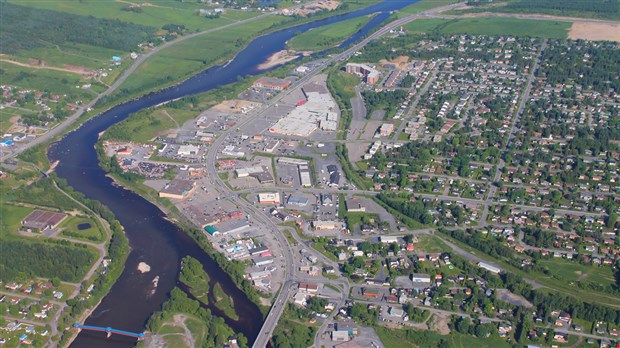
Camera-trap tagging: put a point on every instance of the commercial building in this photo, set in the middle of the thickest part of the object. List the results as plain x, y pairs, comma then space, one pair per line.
188, 150
260, 173
304, 175
272, 83
309, 287
43, 220
388, 239
319, 109
340, 336
269, 198
396, 312
178, 189
354, 205
232, 225
300, 201
368, 74
262, 261
325, 225
348, 327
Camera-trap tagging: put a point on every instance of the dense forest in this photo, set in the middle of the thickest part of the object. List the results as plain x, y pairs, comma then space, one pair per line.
21, 24
24, 259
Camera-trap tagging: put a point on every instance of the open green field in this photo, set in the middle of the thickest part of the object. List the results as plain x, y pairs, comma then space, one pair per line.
11, 217
70, 229
430, 244
58, 82
424, 5
148, 124
69, 54
397, 338
492, 26
328, 36
573, 272
193, 55
157, 15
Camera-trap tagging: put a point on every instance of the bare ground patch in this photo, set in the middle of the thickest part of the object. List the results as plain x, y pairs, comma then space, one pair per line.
235, 106
595, 31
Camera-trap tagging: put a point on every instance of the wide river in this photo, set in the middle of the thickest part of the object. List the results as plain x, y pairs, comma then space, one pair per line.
153, 239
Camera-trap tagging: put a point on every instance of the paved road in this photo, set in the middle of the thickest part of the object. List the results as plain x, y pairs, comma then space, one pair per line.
60, 128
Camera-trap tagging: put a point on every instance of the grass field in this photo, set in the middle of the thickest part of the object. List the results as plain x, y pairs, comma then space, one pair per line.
57, 82
573, 271
70, 229
193, 55
328, 36
11, 217
398, 338
424, 5
147, 124
492, 26
430, 244
163, 12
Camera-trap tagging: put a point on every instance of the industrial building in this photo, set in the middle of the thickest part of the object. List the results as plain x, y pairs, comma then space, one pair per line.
43, 220
297, 200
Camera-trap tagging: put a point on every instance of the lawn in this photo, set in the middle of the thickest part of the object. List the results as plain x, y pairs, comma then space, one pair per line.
328, 36
71, 230
430, 244
493, 26
414, 338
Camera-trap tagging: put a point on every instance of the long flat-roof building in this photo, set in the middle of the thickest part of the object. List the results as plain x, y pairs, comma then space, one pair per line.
178, 189
489, 267
43, 220
272, 83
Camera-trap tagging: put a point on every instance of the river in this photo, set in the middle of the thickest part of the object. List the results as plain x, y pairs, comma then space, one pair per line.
153, 239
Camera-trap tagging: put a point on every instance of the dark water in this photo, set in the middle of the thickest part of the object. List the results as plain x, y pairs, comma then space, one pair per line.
82, 227
155, 240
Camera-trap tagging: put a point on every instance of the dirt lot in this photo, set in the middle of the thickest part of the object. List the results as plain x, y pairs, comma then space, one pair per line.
400, 62
235, 106
595, 31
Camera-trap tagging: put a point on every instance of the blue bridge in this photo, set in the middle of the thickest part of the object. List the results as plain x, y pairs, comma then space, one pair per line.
109, 331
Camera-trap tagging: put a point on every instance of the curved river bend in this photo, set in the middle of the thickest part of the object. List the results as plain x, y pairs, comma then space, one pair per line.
153, 239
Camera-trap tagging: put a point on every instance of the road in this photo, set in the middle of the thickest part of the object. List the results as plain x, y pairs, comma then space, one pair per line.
280, 300
61, 127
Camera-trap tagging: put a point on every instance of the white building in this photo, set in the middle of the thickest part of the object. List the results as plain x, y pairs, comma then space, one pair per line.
488, 267
269, 198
